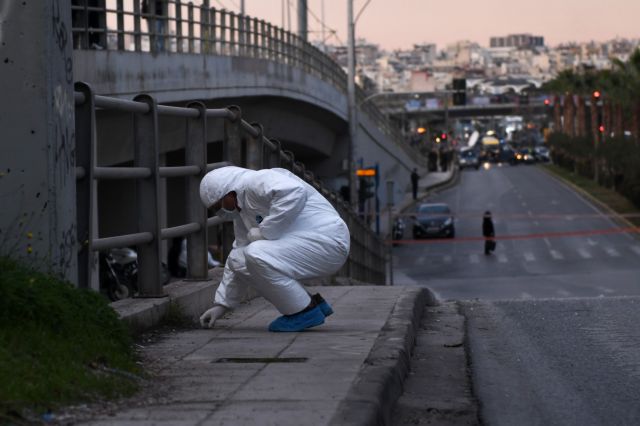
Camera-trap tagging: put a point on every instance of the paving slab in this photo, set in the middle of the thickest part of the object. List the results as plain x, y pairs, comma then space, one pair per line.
343, 372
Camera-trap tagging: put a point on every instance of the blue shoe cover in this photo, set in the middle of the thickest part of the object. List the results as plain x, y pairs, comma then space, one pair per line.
326, 308
299, 321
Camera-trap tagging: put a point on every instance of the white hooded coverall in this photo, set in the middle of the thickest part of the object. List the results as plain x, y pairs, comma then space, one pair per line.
304, 237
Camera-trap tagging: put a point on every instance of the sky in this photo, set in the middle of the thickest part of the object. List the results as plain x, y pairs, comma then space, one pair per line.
398, 24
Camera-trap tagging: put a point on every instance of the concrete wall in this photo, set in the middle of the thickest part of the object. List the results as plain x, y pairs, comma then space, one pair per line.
37, 139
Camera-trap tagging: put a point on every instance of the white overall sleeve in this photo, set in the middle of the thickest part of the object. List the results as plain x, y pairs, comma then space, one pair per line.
285, 199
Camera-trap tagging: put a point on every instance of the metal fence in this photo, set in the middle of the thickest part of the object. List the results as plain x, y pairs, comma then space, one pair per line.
199, 29
243, 144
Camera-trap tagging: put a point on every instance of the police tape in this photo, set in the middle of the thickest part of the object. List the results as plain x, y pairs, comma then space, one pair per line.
434, 240
527, 216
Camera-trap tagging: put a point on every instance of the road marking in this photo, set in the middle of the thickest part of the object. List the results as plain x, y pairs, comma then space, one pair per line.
606, 290
529, 257
556, 254
524, 204
473, 258
636, 249
502, 258
447, 259
591, 242
536, 223
612, 252
554, 202
585, 253
524, 295
547, 242
568, 217
563, 293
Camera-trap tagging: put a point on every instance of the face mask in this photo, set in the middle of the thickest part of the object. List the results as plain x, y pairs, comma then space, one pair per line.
228, 215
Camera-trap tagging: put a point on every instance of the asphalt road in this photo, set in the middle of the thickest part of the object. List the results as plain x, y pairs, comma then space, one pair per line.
556, 362
552, 333
530, 208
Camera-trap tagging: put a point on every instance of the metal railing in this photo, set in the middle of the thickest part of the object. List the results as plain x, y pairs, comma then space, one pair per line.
199, 29
243, 144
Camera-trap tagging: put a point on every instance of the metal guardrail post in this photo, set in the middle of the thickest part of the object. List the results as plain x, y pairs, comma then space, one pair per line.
232, 152
179, 37
146, 155
196, 154
274, 155
232, 34
205, 28
190, 26
137, 37
120, 24
255, 150
85, 122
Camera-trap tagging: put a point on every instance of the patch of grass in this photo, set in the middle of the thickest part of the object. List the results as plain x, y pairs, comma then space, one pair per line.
58, 344
611, 198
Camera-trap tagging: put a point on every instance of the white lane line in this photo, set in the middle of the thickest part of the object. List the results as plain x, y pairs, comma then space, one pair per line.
563, 293
636, 249
556, 254
547, 242
447, 259
502, 258
473, 258
529, 257
584, 253
606, 290
591, 242
524, 204
612, 252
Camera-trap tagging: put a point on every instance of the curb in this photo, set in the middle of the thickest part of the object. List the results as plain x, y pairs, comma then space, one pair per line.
615, 215
191, 297
379, 384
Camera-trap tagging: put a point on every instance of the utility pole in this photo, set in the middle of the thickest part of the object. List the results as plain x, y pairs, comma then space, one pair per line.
351, 100
302, 19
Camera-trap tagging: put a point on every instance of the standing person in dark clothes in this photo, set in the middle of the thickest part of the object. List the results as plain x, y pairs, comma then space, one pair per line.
488, 232
415, 177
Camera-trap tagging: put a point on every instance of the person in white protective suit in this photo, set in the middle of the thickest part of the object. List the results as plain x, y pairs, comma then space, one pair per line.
285, 231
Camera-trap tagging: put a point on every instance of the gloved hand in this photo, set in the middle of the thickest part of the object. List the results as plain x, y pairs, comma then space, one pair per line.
254, 234
209, 317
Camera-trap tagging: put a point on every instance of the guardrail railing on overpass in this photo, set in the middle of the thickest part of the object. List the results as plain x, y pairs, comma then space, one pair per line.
244, 144
183, 27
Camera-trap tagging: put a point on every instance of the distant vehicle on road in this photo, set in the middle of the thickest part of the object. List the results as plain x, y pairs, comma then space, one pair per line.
541, 153
468, 158
525, 156
433, 220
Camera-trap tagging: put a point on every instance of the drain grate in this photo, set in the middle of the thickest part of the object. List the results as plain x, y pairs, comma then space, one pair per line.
259, 360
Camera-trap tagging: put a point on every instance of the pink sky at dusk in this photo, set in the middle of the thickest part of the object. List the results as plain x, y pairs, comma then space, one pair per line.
402, 23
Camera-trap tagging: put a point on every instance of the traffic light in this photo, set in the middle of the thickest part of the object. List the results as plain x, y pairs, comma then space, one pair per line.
459, 91
596, 94
443, 137
547, 102
365, 189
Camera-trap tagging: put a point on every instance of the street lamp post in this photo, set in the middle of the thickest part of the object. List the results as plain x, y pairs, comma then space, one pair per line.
351, 100
390, 185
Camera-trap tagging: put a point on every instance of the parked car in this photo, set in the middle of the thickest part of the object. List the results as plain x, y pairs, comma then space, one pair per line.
541, 153
468, 158
433, 220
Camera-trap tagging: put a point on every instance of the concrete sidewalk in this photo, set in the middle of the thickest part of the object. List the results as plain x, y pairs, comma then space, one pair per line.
348, 371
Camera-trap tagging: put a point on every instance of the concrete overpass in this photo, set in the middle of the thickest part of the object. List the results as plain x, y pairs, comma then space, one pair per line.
297, 92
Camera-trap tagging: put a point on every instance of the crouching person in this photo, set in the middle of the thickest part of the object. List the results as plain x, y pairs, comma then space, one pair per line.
285, 231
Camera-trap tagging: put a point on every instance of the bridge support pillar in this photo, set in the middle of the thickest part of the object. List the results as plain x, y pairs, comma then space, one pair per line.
37, 190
